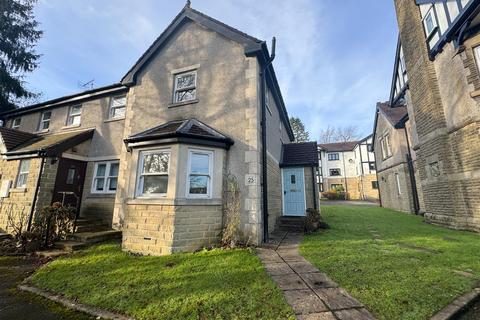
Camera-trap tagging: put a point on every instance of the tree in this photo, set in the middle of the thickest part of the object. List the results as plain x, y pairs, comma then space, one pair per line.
339, 134
19, 35
299, 130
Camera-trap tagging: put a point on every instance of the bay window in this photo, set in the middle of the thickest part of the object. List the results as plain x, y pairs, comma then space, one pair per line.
152, 178
105, 177
199, 176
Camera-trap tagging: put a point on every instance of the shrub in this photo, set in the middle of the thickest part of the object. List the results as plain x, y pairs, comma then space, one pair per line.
335, 194
314, 221
54, 222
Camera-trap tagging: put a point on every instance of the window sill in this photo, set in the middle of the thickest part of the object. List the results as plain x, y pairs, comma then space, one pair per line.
18, 190
42, 131
177, 202
114, 119
72, 126
184, 103
475, 94
101, 195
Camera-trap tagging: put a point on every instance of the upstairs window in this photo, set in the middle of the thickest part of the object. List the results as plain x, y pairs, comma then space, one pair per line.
335, 172
23, 173
45, 121
371, 166
375, 185
386, 148
199, 174
117, 107
105, 177
74, 115
429, 23
152, 177
333, 156
185, 87
16, 123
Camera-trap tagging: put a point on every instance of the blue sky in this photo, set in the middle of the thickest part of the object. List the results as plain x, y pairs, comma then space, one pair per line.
334, 58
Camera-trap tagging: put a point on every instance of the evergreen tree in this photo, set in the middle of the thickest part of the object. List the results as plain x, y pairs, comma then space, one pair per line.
299, 130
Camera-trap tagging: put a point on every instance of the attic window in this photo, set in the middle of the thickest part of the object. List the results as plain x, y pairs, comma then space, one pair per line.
16, 123
185, 87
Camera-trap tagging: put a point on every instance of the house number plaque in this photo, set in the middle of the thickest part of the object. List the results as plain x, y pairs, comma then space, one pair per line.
250, 180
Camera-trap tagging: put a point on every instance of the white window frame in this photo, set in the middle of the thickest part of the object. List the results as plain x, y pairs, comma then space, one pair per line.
140, 174
73, 115
42, 121
112, 108
430, 13
22, 173
476, 53
175, 90
210, 154
397, 180
106, 177
335, 156
16, 126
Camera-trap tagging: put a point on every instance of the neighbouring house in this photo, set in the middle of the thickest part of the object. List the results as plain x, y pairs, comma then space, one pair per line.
149, 155
436, 87
348, 166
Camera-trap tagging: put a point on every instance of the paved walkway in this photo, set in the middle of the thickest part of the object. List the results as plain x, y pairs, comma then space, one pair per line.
312, 295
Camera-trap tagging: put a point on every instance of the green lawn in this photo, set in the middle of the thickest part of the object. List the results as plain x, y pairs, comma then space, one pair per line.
408, 272
217, 284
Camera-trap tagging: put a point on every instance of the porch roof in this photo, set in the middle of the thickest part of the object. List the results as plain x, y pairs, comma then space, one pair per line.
186, 131
49, 145
303, 154
12, 138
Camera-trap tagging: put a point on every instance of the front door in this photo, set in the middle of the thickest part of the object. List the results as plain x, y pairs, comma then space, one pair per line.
293, 192
69, 182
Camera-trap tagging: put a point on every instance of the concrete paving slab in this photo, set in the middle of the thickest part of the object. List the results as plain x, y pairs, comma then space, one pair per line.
302, 267
305, 302
268, 255
277, 268
318, 280
337, 298
289, 282
317, 316
354, 314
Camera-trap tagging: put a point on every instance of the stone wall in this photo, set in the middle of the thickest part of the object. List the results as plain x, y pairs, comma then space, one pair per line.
311, 189
367, 192
389, 194
274, 178
166, 229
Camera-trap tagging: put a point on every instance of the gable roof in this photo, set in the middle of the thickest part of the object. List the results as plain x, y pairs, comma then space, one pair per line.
396, 116
188, 130
49, 145
299, 154
12, 138
338, 146
188, 14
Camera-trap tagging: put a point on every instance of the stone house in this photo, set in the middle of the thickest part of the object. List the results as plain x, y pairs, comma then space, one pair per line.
437, 79
150, 155
349, 166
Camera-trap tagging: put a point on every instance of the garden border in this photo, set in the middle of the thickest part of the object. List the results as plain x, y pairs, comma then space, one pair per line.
456, 306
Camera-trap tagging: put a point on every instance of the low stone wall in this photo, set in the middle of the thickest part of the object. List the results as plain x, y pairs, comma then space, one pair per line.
166, 229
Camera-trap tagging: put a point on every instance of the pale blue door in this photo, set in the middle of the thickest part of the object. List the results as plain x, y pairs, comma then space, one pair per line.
293, 192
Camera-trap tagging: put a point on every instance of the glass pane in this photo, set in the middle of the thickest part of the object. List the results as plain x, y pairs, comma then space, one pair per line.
185, 95
46, 116
75, 110
112, 184
156, 163
199, 163
118, 112
101, 168
70, 175
186, 80
45, 125
24, 165
292, 179
99, 183
119, 101
155, 184
113, 170
22, 179
198, 185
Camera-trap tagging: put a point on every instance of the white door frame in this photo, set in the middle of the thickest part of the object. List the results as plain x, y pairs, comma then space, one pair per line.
304, 190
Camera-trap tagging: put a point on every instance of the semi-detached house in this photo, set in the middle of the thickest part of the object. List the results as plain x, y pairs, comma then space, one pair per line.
149, 155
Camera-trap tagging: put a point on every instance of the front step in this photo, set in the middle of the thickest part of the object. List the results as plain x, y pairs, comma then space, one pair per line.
90, 225
69, 246
95, 237
291, 224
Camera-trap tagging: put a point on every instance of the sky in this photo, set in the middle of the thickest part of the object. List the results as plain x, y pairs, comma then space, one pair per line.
334, 58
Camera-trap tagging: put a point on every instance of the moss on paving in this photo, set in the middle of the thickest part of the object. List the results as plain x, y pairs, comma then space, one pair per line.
397, 265
217, 284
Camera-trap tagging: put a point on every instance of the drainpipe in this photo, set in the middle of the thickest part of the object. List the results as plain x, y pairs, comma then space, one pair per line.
345, 176
35, 196
264, 141
411, 171
314, 191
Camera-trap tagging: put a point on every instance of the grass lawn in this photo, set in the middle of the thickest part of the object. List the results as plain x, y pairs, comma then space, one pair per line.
215, 284
410, 271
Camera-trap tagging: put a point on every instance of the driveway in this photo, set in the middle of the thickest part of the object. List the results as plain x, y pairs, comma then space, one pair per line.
21, 305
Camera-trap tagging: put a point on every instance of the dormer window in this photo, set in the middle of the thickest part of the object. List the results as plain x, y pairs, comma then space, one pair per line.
185, 88
16, 123
74, 115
